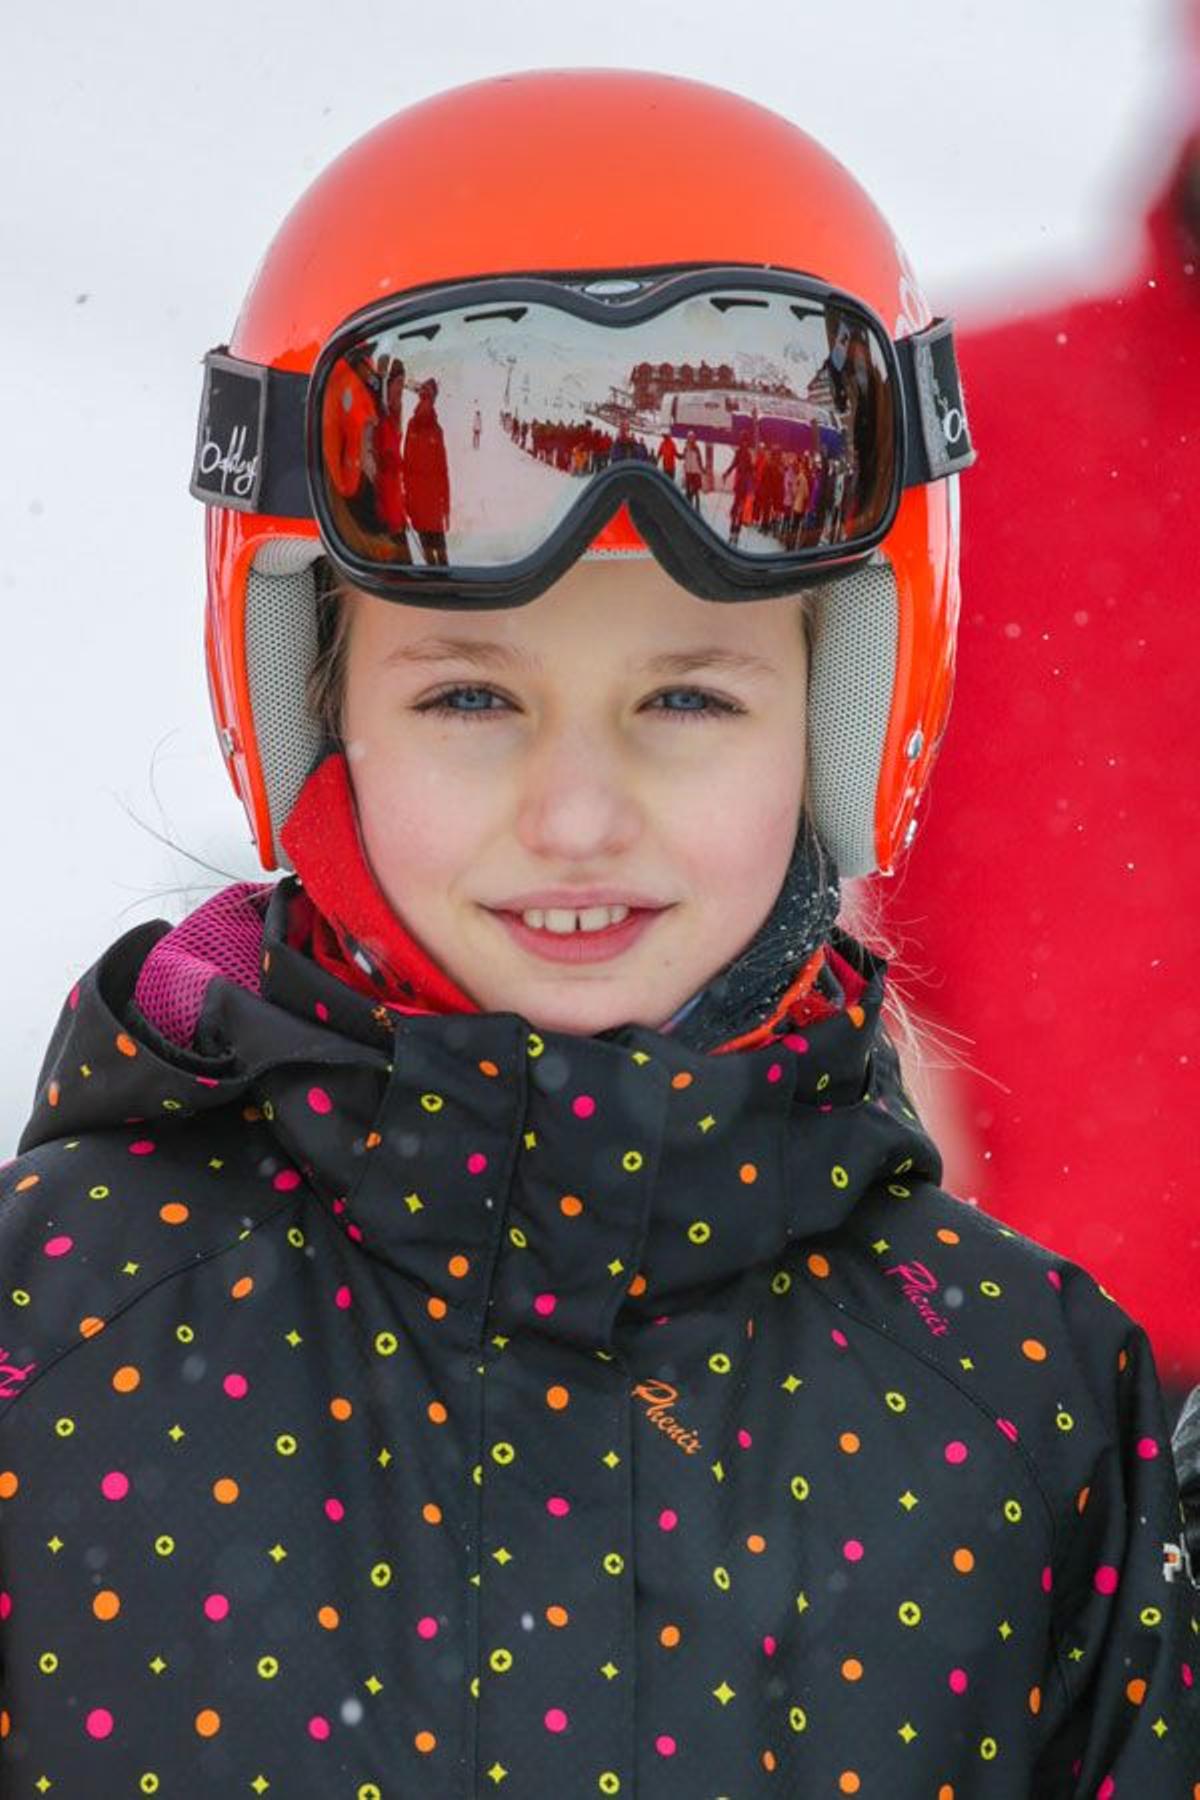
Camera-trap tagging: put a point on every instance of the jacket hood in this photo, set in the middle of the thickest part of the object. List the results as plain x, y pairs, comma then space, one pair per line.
657, 1170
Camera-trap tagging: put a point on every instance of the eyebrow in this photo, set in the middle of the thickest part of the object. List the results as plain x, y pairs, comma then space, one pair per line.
484, 653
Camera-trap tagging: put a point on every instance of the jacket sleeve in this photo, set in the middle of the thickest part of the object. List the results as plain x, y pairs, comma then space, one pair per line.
1127, 1640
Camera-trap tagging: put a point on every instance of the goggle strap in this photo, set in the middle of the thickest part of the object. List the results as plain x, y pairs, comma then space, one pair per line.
937, 435
250, 438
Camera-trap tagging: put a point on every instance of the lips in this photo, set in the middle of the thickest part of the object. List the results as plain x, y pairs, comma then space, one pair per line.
579, 946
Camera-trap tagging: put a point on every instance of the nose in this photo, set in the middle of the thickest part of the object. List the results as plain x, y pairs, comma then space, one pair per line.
577, 801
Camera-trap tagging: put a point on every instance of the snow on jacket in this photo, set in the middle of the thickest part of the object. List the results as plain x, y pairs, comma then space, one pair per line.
425, 1405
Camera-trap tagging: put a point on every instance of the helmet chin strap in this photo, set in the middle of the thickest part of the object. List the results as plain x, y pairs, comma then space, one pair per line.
745, 993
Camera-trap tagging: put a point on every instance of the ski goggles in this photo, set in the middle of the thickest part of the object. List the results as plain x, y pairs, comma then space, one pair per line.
470, 441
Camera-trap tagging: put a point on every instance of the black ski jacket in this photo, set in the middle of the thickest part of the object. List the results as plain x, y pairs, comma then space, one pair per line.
425, 1406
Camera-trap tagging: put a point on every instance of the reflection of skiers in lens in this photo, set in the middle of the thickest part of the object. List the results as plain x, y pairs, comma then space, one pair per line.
476, 428
769, 497
388, 456
348, 417
427, 476
693, 471
625, 446
742, 470
797, 505
667, 456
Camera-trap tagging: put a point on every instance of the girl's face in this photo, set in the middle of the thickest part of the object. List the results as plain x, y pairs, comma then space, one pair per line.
615, 740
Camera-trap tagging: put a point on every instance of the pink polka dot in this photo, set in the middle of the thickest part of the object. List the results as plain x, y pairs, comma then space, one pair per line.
1054, 1278
1107, 1789
207, 1081
545, 1304
236, 1386
795, 1042
477, 1162
852, 1550
334, 1510
769, 1646
342, 1298
318, 1728
958, 1681
556, 1719
1147, 1448
1047, 1579
840, 1339
99, 1722
1008, 1428
58, 1246
668, 1519
5, 1604
1106, 1579
1185, 1673
557, 1507
744, 1439
775, 1072
427, 1628
73, 997
665, 1745
216, 1606
319, 1100
114, 1485
583, 1106
143, 1147
286, 1180
956, 1451
321, 1010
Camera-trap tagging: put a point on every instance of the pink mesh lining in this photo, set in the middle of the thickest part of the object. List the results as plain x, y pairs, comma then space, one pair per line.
222, 937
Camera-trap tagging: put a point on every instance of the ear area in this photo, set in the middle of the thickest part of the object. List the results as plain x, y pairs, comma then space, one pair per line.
851, 680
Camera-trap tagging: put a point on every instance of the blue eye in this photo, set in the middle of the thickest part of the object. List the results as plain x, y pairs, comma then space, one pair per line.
709, 705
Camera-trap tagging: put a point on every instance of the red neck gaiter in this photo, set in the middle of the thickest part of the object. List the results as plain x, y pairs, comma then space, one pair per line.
345, 923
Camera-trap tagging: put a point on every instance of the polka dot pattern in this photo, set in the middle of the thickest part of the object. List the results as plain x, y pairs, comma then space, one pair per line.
396, 1391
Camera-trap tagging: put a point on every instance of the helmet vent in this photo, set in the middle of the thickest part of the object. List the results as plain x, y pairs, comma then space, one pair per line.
281, 648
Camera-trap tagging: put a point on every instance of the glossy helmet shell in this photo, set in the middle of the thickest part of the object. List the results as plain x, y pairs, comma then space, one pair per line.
484, 179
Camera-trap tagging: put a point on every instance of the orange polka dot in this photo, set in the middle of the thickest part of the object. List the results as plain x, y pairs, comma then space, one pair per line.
945, 1792
1034, 1350
852, 1669
173, 1213
1135, 1690
1035, 1700
963, 1560
1123, 1361
1082, 1498
126, 1379
425, 1742
557, 1615
818, 1265
437, 1412
243, 1286
208, 1722
9, 1484
768, 1761
106, 1604
90, 1326
856, 1016
849, 1442
571, 1205
669, 1636
436, 1307
6, 1724
125, 1044
848, 1782
946, 1236
748, 1173
431, 1512
373, 1140
458, 1266
488, 1068
557, 1398
251, 1115
226, 1490
54, 1093
682, 1080
756, 1544
637, 1286
329, 1617
27, 1182
340, 1407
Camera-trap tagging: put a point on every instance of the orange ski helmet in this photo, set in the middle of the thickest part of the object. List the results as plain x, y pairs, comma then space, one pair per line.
474, 182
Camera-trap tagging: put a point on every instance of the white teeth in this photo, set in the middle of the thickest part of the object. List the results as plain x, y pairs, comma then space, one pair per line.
564, 921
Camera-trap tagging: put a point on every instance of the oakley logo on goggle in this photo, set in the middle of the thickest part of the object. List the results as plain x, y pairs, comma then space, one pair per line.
238, 472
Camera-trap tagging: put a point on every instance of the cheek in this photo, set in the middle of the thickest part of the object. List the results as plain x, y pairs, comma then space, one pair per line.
421, 823
738, 825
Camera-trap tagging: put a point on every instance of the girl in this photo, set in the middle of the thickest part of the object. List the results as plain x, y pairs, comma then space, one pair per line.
479, 1313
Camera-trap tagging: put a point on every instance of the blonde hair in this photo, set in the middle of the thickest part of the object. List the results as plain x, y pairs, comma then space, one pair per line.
860, 915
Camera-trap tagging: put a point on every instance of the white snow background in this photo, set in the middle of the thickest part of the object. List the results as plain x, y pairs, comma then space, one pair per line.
147, 154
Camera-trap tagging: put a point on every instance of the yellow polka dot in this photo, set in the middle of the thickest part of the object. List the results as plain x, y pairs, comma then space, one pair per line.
328, 1617
107, 1604
852, 1669
964, 1560
818, 1265
126, 1379
558, 1398
425, 1742
226, 1490
1035, 1351
208, 1722
174, 1212
571, 1206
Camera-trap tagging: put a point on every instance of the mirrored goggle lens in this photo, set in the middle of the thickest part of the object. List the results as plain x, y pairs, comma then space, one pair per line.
464, 438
